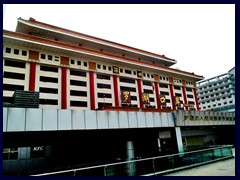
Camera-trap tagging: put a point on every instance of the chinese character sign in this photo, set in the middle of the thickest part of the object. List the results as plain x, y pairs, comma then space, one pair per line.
115, 69
145, 98
139, 74
177, 101
162, 99
125, 96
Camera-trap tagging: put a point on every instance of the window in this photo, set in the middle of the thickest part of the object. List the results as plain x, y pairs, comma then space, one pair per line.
15, 64
11, 87
48, 79
148, 75
134, 73
128, 71
78, 103
78, 73
16, 51
78, 93
152, 76
134, 98
79, 63
104, 95
8, 50
78, 83
121, 70
48, 90
109, 68
178, 94
12, 75
56, 58
190, 96
48, 68
72, 61
48, 101
24, 53
144, 75
101, 76
10, 153
123, 88
126, 80
148, 91
177, 87
163, 85
85, 64
103, 86
43, 56
164, 93
99, 66
50, 57
147, 83
104, 67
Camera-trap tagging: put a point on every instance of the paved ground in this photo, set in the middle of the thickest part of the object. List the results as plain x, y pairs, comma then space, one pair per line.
221, 168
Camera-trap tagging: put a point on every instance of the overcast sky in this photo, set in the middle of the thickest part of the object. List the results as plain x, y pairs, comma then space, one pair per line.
200, 37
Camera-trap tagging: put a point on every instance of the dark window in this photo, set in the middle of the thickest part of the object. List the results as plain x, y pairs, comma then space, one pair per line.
14, 75
152, 76
104, 67
48, 79
78, 93
177, 87
8, 50
10, 153
151, 99
49, 57
167, 100
189, 89
85, 64
78, 73
101, 76
147, 83
128, 71
99, 66
48, 90
103, 86
163, 85
16, 51
230, 101
48, 101
132, 81
134, 98
109, 68
79, 63
78, 83
219, 104
148, 91
43, 56
24, 53
11, 87
121, 70
72, 61
148, 75
78, 103
123, 88
144, 74
104, 95
190, 96
178, 94
134, 72
15, 64
48, 68
8, 99
164, 93
104, 104
191, 102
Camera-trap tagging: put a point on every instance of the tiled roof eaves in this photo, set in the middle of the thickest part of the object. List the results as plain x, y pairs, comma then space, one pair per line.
95, 39
79, 49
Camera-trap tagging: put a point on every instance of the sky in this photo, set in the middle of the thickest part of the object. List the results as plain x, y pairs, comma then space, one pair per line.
200, 37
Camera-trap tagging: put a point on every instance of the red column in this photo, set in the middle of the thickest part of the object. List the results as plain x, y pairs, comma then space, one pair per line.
64, 88
92, 90
157, 95
172, 96
196, 99
139, 83
32, 76
115, 86
184, 95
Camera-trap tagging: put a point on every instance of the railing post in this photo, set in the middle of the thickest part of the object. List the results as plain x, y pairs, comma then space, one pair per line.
105, 171
172, 162
153, 166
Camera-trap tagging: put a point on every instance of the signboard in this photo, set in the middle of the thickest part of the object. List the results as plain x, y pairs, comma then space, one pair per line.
145, 98
37, 151
126, 97
115, 69
162, 99
139, 74
177, 101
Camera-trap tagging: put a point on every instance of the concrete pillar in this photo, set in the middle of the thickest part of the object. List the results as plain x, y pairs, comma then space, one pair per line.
131, 167
179, 139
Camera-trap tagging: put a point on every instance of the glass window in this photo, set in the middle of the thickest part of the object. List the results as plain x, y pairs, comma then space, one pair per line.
72, 61
16, 51
24, 53
8, 50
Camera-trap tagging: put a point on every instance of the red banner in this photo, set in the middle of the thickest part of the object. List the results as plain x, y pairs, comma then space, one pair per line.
125, 96
162, 99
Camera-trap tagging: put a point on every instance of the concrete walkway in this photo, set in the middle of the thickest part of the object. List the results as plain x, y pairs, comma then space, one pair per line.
221, 168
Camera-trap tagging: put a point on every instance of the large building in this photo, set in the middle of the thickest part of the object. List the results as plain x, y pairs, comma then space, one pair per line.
98, 101
217, 93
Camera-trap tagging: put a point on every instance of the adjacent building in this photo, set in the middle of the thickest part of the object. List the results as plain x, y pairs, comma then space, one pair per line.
217, 93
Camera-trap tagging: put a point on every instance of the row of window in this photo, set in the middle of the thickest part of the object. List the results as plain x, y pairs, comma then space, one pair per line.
219, 104
15, 51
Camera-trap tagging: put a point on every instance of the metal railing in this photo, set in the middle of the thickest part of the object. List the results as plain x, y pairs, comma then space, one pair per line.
151, 166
